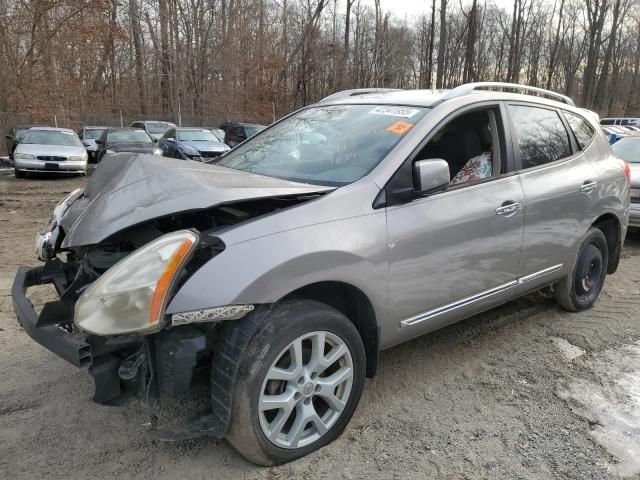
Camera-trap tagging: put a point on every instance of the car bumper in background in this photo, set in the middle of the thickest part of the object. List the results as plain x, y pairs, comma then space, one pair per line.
34, 165
634, 214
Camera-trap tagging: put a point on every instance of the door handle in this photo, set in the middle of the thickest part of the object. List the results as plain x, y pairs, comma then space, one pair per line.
588, 186
508, 208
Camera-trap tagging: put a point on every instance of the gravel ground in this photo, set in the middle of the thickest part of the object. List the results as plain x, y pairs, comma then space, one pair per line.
504, 395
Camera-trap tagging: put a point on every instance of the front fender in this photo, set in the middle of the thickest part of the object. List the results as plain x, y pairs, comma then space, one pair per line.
265, 269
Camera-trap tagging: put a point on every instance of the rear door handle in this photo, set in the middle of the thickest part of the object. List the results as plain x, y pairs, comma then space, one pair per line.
588, 186
508, 208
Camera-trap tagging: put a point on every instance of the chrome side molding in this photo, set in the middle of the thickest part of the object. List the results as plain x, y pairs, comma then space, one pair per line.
540, 273
463, 302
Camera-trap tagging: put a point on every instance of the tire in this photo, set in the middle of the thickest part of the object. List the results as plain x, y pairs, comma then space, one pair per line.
19, 173
580, 289
297, 325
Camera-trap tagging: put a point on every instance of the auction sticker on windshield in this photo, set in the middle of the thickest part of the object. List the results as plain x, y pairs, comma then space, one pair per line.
403, 112
400, 128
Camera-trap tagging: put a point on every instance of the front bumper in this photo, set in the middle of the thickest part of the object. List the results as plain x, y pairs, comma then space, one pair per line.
34, 165
175, 355
73, 347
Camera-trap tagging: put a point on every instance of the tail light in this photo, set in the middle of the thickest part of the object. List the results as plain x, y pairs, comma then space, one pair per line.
627, 171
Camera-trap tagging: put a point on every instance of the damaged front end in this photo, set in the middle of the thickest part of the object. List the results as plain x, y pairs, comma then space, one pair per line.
110, 315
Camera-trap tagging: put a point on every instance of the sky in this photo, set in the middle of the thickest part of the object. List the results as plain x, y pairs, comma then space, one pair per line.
412, 8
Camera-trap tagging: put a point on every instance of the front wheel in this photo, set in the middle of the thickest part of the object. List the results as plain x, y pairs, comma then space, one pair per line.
580, 289
298, 385
19, 173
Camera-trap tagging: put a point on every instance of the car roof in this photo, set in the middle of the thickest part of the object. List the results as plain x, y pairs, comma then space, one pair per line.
119, 129
192, 128
244, 124
95, 127
53, 129
29, 126
154, 121
432, 98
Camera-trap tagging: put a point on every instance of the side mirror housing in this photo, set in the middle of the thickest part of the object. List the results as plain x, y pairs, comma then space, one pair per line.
430, 176
8, 137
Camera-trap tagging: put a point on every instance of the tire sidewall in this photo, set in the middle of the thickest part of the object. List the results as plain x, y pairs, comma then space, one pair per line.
597, 238
286, 323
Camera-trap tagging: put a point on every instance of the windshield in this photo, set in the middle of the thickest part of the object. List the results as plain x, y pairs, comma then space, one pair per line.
628, 149
128, 136
332, 145
51, 137
196, 136
20, 132
158, 127
92, 133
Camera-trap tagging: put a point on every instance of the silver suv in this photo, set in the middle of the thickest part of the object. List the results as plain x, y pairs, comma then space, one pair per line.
345, 228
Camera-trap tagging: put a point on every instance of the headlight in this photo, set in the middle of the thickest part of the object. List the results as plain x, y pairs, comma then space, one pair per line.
109, 151
62, 206
187, 150
77, 158
157, 151
24, 156
131, 296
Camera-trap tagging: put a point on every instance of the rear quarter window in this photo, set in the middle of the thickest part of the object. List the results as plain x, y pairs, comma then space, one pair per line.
582, 130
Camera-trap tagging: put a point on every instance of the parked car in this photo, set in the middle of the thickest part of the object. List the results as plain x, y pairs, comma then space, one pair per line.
154, 128
125, 139
614, 133
15, 136
235, 133
620, 121
56, 150
219, 133
88, 136
628, 149
198, 144
284, 268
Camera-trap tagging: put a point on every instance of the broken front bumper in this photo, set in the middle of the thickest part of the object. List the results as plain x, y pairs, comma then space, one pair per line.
43, 328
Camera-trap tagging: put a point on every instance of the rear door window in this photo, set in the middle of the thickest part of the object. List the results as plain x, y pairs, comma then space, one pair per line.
582, 130
540, 135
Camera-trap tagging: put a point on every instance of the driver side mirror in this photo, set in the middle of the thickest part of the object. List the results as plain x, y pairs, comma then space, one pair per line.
430, 176
8, 137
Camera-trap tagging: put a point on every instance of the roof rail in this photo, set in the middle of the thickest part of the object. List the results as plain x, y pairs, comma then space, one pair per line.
355, 92
468, 88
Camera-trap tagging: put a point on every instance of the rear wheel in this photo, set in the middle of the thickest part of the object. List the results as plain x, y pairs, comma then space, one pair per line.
580, 289
298, 385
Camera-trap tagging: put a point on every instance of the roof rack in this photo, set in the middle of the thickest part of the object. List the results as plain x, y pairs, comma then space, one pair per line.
355, 92
468, 88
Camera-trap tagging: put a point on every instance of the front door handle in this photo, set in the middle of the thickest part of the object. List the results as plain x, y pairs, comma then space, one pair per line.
508, 208
588, 186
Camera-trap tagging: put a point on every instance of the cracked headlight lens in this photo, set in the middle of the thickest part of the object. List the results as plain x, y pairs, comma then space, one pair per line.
130, 297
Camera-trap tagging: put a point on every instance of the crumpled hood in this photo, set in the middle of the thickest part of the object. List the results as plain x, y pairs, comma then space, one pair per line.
130, 189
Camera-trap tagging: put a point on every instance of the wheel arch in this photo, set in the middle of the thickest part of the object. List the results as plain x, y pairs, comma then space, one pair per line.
352, 303
609, 224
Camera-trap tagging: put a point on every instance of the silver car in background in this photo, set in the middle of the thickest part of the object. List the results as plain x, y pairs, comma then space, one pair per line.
350, 226
88, 137
628, 149
48, 149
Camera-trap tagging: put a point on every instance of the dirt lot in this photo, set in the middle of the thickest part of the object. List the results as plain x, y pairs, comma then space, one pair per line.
525, 391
